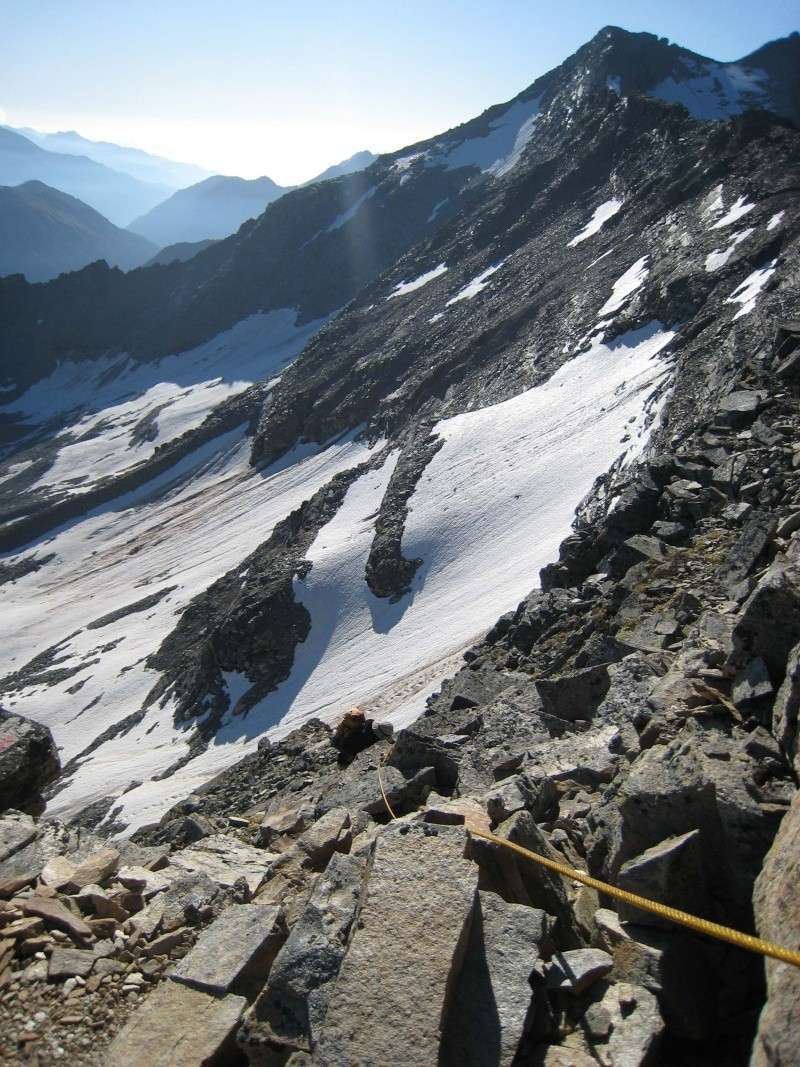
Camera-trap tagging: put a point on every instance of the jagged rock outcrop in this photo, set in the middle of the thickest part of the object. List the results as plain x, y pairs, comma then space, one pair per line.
29, 761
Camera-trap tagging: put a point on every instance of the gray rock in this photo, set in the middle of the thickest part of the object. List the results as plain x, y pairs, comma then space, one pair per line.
178, 1027
519, 793
574, 696
225, 859
395, 982
522, 881
28, 760
329, 834
16, 831
739, 408
285, 821
635, 1026
69, 963
752, 683
757, 533
290, 1011
670, 872
777, 912
413, 752
575, 971
492, 999
769, 624
234, 952
786, 707
189, 899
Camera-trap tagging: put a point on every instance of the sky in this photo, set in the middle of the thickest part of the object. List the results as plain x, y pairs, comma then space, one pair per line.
254, 87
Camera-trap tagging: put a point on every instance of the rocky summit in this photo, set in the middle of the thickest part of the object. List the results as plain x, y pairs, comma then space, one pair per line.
457, 496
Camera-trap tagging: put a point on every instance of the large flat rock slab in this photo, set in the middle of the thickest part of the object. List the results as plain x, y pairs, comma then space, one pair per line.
225, 859
394, 986
178, 1027
236, 949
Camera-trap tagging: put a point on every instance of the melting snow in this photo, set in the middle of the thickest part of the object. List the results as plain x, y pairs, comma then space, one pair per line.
717, 90
747, 293
623, 287
477, 285
601, 215
715, 260
775, 220
417, 283
351, 212
173, 394
500, 149
738, 211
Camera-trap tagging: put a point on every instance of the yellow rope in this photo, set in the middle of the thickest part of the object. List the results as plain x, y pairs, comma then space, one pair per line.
683, 918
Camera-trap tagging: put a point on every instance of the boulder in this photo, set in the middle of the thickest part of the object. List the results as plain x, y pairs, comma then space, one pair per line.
329, 834
670, 872
522, 881
179, 1027
69, 963
396, 981
576, 695
739, 408
521, 792
225, 859
777, 911
752, 683
575, 971
291, 1009
756, 534
28, 760
235, 952
492, 1002
634, 1026
769, 623
16, 831
785, 709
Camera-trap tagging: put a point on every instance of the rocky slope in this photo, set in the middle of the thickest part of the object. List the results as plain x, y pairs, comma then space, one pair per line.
597, 321
44, 233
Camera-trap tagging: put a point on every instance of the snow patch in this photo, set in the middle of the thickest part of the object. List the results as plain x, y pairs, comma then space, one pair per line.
625, 286
746, 294
477, 285
499, 150
718, 259
601, 215
717, 90
417, 283
775, 220
738, 211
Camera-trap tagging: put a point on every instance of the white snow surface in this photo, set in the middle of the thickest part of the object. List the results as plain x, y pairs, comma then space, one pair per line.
184, 529
716, 260
417, 283
499, 150
175, 393
746, 294
716, 90
738, 211
601, 215
775, 220
477, 285
489, 511
625, 286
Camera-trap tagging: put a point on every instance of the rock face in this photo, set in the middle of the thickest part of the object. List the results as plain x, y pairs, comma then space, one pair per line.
28, 760
181, 1027
396, 981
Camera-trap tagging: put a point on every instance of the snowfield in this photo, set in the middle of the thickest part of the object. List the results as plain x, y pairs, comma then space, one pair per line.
489, 511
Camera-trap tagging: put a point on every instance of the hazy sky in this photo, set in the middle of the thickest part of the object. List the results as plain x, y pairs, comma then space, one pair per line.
256, 87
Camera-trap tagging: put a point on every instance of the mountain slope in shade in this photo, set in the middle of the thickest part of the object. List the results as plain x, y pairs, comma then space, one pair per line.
44, 232
116, 195
358, 161
138, 164
179, 252
211, 209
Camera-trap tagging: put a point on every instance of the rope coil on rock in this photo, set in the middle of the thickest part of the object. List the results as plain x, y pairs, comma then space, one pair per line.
664, 911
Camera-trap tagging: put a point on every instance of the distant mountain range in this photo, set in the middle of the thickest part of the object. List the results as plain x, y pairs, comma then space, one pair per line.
44, 232
217, 206
213, 208
140, 165
115, 194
